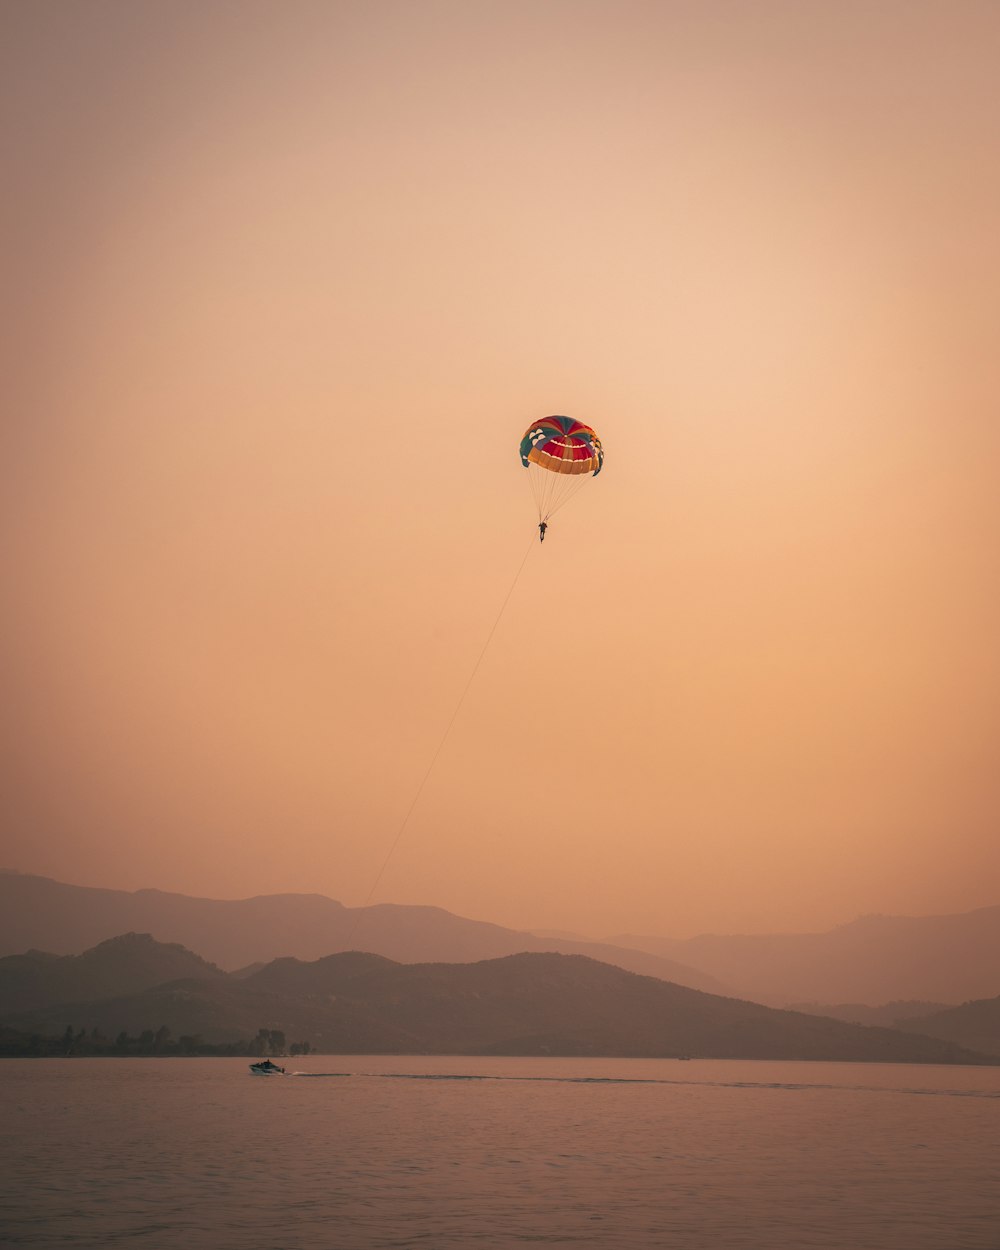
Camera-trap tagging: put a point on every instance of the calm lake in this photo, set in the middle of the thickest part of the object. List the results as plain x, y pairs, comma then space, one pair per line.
362, 1151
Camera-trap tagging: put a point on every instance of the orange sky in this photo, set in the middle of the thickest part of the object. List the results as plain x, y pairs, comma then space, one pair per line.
287, 282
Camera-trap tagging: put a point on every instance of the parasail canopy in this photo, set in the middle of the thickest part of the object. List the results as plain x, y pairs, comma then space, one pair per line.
559, 454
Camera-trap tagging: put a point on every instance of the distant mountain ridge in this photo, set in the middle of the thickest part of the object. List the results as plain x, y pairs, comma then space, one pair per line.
120, 965
873, 960
888, 1015
975, 1025
526, 1004
36, 912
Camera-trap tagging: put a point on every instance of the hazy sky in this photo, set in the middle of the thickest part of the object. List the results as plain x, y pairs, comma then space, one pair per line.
285, 284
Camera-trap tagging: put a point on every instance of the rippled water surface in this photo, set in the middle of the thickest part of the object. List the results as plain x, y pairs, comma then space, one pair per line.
360, 1152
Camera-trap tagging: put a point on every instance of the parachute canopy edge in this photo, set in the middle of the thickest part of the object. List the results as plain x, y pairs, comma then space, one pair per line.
562, 445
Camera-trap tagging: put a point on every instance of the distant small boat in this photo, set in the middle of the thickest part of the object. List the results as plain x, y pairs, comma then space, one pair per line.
266, 1068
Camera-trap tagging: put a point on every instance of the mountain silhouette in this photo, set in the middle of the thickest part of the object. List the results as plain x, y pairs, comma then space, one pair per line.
526, 1004
873, 960
975, 1025
120, 965
869, 963
45, 914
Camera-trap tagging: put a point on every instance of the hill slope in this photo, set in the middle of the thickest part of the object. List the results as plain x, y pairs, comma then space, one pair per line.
120, 965
38, 912
874, 960
526, 1004
888, 1015
975, 1025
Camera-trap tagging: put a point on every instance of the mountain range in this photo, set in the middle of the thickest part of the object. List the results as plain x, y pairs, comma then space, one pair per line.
873, 960
36, 912
934, 960
531, 1003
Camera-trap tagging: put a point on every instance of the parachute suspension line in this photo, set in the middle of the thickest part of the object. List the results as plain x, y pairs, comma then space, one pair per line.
571, 488
551, 491
440, 745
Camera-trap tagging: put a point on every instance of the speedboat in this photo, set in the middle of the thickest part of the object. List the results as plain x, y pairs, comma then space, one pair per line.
266, 1068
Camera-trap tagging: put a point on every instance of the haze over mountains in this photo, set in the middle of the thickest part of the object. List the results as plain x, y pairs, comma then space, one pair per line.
873, 960
123, 965
934, 961
354, 1002
36, 912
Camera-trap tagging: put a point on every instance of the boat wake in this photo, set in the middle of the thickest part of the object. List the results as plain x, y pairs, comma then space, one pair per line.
788, 1086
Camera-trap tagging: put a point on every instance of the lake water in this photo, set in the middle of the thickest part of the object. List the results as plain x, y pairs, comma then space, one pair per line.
463, 1152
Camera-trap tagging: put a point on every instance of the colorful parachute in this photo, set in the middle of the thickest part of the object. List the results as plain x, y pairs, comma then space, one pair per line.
559, 454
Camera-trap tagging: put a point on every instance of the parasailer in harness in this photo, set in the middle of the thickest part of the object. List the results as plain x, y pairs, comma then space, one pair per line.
542, 527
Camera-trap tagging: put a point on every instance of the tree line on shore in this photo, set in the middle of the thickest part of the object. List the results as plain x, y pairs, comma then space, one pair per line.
161, 1043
